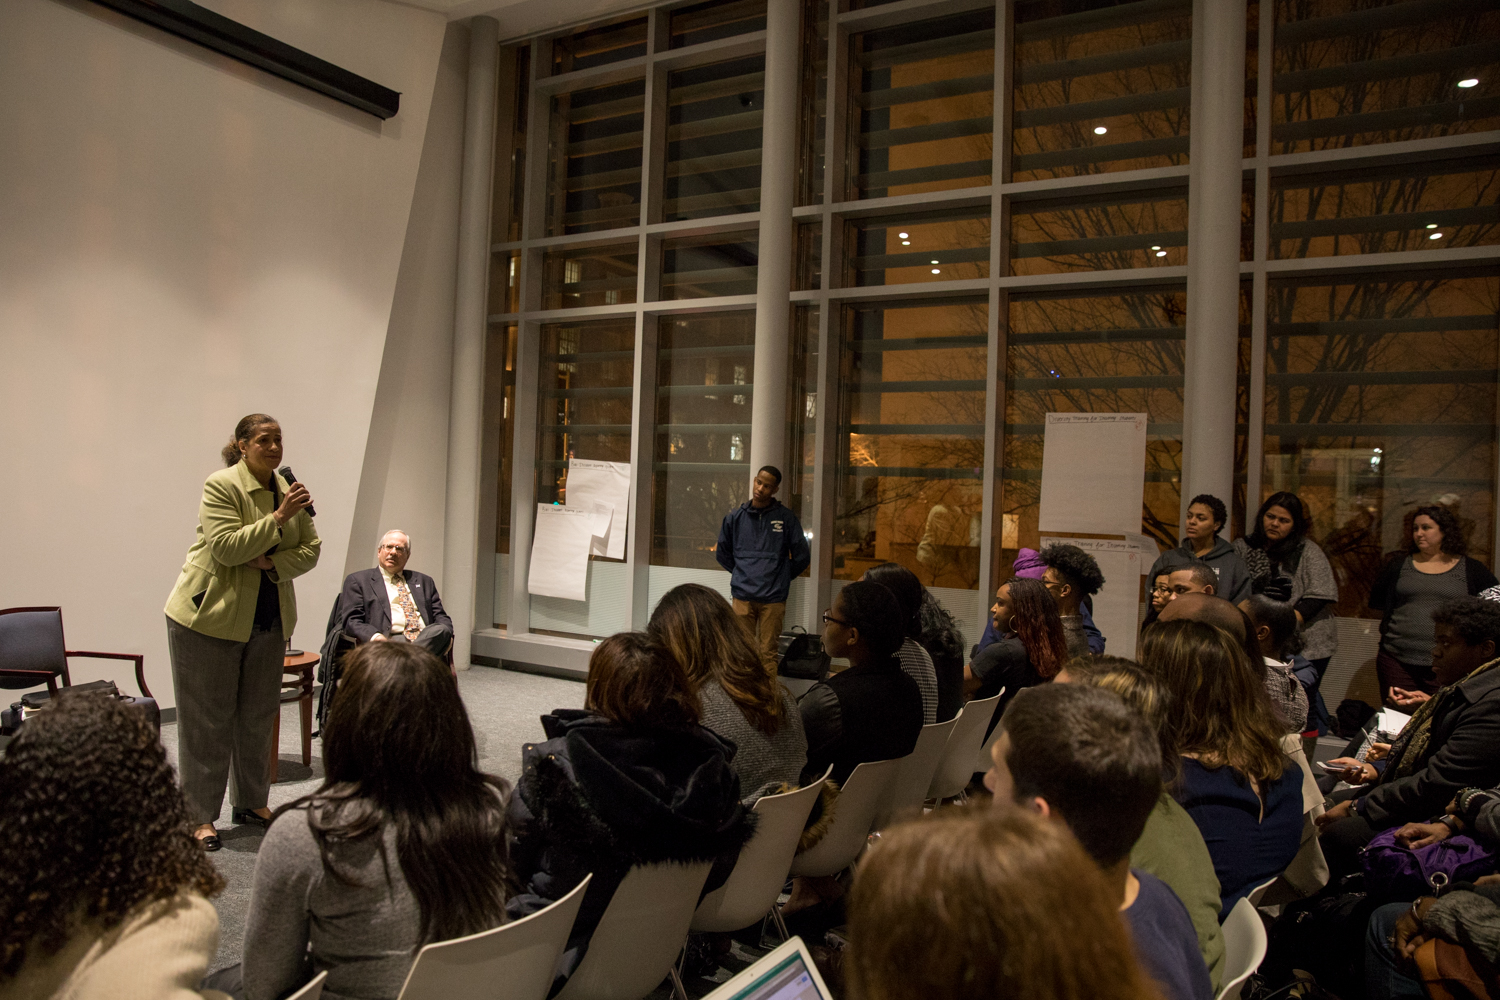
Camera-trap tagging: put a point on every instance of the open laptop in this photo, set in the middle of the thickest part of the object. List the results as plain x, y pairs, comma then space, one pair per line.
788, 973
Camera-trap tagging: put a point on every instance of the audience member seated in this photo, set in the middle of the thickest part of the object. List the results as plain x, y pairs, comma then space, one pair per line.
1170, 847
1161, 589
1071, 575
1273, 628
944, 642
873, 710
402, 844
740, 701
102, 888
1288, 699
971, 904
1201, 542
1236, 782
395, 603
1466, 917
1028, 565
915, 660
1032, 646
1451, 742
1080, 755
1196, 577
631, 779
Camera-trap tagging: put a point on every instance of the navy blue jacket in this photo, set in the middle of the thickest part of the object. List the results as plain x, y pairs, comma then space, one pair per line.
763, 550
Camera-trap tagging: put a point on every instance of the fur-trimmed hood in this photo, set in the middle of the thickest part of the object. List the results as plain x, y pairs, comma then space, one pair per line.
636, 796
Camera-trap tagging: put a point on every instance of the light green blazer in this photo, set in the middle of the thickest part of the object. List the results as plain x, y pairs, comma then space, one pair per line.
217, 589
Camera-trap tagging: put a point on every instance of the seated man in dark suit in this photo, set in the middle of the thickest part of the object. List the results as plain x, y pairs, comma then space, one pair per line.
394, 603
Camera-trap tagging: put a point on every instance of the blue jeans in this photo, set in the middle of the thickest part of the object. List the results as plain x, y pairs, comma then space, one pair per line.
1384, 978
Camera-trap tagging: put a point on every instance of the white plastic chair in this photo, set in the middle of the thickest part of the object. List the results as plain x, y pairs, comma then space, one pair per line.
914, 776
313, 990
854, 812
1258, 893
637, 941
985, 760
1244, 947
956, 768
752, 888
515, 961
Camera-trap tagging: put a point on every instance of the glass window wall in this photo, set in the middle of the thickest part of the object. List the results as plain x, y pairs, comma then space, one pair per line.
713, 139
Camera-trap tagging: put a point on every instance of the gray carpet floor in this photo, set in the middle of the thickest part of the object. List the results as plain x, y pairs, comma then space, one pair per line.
504, 707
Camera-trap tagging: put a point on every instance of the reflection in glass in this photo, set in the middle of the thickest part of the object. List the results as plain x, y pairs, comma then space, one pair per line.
713, 139
807, 272
1380, 396
1350, 75
918, 246
505, 282
812, 123
699, 267
1095, 352
510, 144
500, 414
1099, 232
911, 440
599, 46
1100, 86
587, 372
701, 471
802, 413
595, 276
595, 177
705, 22
923, 112
1422, 206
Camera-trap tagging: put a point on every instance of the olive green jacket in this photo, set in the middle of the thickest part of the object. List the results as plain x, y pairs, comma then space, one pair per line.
217, 589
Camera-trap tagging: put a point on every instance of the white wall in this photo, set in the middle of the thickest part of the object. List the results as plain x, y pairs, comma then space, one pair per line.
183, 240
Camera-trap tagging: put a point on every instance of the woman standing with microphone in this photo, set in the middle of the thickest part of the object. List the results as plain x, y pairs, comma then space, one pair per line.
227, 623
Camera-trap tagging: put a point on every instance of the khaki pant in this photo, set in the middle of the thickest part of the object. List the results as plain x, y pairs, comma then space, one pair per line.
763, 622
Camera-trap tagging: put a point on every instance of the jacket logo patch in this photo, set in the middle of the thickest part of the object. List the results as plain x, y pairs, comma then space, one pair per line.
776, 525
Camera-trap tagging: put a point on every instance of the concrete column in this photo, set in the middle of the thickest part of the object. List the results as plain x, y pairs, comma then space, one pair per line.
773, 286
466, 401
1215, 153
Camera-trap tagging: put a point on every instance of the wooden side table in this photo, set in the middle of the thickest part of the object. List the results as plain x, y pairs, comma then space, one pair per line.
297, 676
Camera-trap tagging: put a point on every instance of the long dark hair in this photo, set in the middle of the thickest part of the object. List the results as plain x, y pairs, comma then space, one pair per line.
906, 589
1289, 546
1038, 625
696, 626
243, 431
398, 749
1454, 543
93, 825
1220, 711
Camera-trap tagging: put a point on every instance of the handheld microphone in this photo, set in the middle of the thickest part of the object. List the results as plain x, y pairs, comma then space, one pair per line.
291, 479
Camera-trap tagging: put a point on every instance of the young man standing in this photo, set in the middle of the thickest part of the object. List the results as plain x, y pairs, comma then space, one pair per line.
762, 545
1080, 756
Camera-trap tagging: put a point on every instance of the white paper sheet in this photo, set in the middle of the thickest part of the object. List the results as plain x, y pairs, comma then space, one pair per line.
1117, 606
603, 514
607, 482
1093, 472
560, 552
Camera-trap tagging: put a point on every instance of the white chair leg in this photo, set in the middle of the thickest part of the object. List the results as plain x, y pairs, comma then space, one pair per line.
677, 990
780, 923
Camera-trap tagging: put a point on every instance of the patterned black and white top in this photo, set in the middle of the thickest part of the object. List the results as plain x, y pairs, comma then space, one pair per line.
917, 664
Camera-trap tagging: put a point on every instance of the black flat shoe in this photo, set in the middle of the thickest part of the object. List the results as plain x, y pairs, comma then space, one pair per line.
249, 816
210, 843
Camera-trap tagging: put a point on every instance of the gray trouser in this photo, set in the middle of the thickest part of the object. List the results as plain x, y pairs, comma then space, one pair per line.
228, 694
436, 639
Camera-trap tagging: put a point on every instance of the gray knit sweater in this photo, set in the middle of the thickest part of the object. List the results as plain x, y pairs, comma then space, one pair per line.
762, 762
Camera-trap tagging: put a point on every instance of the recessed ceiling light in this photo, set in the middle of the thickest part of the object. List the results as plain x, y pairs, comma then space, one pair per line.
1161, 253
906, 243
1470, 82
1435, 236
1100, 130
936, 271
1156, 248
903, 235
934, 262
1432, 225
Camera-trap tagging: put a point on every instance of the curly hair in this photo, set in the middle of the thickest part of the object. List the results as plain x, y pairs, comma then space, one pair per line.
1038, 625
1454, 543
1215, 507
697, 626
1473, 618
1076, 566
93, 826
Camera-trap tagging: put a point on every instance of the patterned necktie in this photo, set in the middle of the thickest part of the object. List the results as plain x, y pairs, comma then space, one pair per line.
409, 609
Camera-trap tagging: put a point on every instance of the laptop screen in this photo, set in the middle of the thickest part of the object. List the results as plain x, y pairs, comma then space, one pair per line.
788, 980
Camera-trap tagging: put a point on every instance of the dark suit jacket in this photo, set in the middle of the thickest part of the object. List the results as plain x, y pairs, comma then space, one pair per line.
367, 607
